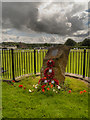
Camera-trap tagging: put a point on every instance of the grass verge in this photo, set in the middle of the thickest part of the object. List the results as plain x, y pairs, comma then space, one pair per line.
19, 103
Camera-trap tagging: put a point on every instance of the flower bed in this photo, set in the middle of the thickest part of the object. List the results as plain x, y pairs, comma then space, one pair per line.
48, 84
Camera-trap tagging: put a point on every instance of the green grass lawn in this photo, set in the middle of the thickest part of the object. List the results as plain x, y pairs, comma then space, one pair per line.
19, 103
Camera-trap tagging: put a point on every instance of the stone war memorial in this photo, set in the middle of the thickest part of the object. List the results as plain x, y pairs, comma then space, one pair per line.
59, 56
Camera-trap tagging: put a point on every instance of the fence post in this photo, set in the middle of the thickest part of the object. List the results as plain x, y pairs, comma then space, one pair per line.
12, 64
84, 63
34, 61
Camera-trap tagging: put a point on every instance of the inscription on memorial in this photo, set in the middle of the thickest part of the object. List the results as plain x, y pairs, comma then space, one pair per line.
54, 52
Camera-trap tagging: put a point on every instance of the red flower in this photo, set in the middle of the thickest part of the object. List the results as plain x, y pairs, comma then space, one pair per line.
45, 78
13, 81
21, 86
81, 92
51, 86
56, 81
48, 88
43, 90
84, 91
24, 87
69, 91
43, 86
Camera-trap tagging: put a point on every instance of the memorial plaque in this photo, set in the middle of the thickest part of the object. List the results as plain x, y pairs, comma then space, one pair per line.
54, 52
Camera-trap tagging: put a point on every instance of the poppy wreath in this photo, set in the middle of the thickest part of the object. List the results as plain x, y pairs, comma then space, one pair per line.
41, 80
48, 75
50, 63
56, 81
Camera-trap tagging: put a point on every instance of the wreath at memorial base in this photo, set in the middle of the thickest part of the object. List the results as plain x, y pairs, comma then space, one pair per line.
43, 81
48, 84
48, 87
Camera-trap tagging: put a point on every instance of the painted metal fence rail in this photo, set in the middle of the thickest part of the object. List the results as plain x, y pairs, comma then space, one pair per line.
16, 63
79, 62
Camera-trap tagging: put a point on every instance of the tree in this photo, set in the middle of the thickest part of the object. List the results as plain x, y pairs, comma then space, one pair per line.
86, 42
70, 42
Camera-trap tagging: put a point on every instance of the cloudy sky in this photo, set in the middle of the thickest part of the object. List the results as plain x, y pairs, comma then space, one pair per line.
45, 22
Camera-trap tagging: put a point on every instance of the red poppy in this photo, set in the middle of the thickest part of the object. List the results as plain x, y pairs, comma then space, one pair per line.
20, 85
49, 83
43, 86
51, 86
13, 81
81, 92
48, 88
84, 91
45, 78
43, 90
69, 91
56, 81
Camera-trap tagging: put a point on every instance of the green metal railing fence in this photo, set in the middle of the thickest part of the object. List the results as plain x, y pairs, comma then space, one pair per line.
16, 63
79, 62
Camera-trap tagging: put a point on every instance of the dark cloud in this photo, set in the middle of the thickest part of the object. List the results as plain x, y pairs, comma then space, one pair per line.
49, 26
18, 13
77, 23
26, 14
